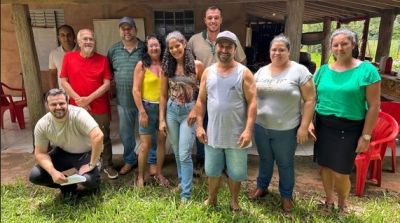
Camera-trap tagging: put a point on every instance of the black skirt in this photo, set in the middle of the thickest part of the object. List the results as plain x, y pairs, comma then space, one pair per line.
336, 143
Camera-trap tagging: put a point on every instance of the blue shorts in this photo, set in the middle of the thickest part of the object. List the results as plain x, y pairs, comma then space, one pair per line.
235, 161
152, 110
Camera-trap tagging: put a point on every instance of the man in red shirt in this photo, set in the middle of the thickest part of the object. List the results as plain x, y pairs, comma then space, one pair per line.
85, 76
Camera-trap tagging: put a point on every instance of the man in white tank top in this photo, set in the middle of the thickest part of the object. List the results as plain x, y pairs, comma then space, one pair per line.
228, 90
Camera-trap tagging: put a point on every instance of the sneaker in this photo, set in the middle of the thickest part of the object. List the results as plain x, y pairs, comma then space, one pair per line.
111, 173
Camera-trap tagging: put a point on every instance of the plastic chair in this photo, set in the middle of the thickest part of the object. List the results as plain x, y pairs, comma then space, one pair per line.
385, 130
16, 108
393, 109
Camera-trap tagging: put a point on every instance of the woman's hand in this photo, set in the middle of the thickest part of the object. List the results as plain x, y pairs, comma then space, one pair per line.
191, 117
143, 119
311, 131
362, 145
163, 127
302, 135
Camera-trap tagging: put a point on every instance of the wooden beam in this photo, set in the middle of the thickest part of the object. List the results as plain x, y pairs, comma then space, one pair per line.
385, 35
325, 43
364, 39
294, 26
29, 62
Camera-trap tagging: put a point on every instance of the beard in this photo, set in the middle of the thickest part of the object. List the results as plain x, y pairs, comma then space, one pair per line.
59, 113
225, 58
87, 50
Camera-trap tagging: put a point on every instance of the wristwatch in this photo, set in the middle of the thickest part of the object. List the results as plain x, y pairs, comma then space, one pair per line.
91, 165
366, 137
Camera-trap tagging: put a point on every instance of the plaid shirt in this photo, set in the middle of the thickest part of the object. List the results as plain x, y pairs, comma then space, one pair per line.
122, 65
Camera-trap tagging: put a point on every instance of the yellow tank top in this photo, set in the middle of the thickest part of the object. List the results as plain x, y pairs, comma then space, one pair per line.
151, 87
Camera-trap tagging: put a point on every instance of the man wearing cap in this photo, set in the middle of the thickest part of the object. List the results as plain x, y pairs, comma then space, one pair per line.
203, 49
85, 76
228, 90
123, 57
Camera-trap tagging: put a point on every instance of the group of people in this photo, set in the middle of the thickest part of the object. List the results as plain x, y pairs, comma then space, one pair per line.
202, 89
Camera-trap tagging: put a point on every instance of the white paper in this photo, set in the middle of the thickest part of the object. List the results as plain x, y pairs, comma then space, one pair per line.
74, 179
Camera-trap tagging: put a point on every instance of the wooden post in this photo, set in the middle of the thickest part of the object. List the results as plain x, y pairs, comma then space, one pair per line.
385, 35
29, 62
364, 39
325, 42
294, 26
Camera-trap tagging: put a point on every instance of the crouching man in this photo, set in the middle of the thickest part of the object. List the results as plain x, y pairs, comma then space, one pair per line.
75, 140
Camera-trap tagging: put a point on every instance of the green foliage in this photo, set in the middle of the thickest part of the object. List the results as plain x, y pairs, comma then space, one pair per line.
21, 203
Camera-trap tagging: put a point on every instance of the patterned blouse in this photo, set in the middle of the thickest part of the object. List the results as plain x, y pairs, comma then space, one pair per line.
183, 89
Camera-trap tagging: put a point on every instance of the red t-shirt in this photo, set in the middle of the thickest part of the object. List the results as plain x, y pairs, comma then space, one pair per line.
86, 75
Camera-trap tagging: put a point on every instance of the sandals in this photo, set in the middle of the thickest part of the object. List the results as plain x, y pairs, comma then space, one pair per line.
161, 180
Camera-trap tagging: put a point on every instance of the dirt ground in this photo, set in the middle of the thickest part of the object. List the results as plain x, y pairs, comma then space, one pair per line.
16, 166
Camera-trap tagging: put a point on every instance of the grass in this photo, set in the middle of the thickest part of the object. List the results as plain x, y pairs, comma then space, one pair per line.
124, 203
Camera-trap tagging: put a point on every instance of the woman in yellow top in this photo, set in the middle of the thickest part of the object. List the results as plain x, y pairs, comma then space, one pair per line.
146, 93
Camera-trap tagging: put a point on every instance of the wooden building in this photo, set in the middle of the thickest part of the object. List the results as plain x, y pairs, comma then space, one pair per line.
18, 51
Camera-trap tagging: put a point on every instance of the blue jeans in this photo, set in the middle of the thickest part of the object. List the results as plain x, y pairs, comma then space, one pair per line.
279, 146
181, 137
127, 119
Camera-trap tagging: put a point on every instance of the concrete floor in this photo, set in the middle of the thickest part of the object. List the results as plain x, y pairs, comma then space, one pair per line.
15, 140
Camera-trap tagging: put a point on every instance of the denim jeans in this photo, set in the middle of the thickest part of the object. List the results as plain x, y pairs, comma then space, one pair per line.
63, 161
103, 121
127, 119
279, 146
181, 137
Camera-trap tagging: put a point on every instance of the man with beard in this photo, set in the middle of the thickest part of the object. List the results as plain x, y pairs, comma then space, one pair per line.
203, 48
228, 90
66, 38
85, 76
76, 142
123, 57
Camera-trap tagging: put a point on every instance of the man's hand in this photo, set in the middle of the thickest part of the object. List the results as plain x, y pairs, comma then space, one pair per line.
143, 119
244, 139
82, 102
85, 169
201, 135
58, 177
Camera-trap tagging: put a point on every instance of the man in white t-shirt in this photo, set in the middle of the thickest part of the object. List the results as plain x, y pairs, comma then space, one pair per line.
66, 38
75, 140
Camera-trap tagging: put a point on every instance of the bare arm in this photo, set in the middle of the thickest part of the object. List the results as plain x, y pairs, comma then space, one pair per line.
67, 87
249, 89
96, 140
373, 93
138, 75
308, 95
201, 109
44, 160
163, 102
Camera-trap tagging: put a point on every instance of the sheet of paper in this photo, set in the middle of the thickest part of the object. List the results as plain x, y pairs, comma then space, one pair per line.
74, 179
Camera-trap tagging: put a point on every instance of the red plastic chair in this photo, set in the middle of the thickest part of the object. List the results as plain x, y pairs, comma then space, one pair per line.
16, 107
393, 109
384, 131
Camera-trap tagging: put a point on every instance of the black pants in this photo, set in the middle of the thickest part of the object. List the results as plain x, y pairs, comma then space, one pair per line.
63, 161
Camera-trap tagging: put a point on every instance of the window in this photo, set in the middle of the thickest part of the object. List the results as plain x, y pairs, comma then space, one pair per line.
167, 21
47, 18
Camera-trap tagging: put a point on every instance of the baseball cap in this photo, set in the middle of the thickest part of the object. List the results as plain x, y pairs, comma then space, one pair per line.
127, 20
227, 35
